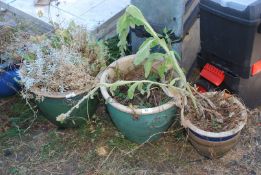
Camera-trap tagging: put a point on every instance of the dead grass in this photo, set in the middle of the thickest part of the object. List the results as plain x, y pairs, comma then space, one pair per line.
98, 148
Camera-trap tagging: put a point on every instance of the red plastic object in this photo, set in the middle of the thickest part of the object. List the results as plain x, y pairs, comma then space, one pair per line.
213, 74
256, 68
201, 89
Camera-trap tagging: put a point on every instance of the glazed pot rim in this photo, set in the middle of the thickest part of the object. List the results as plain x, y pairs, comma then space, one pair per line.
240, 126
57, 95
109, 99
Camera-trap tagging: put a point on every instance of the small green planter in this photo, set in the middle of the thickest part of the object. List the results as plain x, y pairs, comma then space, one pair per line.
51, 107
138, 125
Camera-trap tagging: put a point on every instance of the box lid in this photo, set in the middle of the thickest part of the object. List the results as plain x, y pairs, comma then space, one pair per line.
243, 10
239, 5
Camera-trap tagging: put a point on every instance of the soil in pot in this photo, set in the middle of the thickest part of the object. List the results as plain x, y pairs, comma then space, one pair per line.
224, 116
156, 97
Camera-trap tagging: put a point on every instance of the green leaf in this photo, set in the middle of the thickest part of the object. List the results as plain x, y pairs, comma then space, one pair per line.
147, 67
147, 42
156, 56
123, 41
177, 56
149, 30
144, 51
135, 13
113, 88
161, 70
131, 90
165, 30
29, 57
139, 18
148, 64
134, 21
148, 90
174, 81
122, 23
163, 43
123, 31
140, 88
169, 60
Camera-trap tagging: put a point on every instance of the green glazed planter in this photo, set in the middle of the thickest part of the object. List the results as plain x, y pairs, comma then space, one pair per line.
138, 125
147, 127
53, 106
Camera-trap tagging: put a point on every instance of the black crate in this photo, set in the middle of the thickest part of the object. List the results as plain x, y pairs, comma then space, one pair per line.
231, 36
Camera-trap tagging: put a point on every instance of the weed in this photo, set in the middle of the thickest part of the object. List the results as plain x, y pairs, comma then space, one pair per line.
13, 170
20, 116
53, 147
114, 52
113, 49
120, 142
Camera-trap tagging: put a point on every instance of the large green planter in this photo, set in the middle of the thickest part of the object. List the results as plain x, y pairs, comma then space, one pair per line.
147, 127
138, 125
52, 106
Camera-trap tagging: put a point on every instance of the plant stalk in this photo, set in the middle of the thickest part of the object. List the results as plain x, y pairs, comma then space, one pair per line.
108, 85
176, 66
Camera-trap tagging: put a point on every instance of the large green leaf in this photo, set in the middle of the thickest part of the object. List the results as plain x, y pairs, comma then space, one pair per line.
148, 89
147, 67
148, 64
113, 88
132, 89
135, 13
139, 19
168, 60
177, 56
144, 51
122, 23
140, 88
156, 56
162, 69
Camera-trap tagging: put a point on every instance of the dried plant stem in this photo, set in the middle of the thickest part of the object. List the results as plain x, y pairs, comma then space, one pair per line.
176, 65
63, 117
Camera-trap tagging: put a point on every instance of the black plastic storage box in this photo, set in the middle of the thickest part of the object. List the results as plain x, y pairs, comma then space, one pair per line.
231, 42
231, 31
